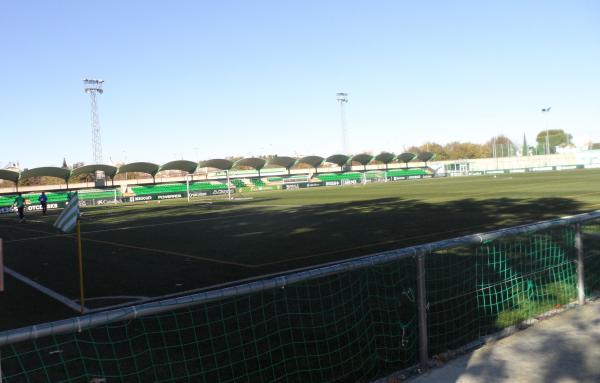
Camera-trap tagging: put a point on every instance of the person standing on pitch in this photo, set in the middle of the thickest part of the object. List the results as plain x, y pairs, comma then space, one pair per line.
20, 204
43, 198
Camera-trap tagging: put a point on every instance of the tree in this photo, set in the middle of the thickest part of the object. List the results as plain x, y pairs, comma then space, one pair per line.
524, 148
556, 137
435, 148
461, 150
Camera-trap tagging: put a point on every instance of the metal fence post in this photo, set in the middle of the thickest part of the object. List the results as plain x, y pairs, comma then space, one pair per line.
580, 273
422, 312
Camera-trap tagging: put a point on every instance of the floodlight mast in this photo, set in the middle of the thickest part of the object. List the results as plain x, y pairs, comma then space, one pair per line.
342, 98
545, 112
93, 87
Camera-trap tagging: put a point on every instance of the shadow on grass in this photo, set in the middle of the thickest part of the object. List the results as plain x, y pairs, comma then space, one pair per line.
289, 237
268, 239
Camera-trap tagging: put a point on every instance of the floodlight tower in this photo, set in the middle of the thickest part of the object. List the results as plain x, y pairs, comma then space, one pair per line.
342, 98
93, 87
545, 112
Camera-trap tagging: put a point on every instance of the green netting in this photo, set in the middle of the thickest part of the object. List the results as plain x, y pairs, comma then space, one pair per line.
591, 244
502, 283
375, 175
347, 327
352, 326
176, 188
53, 197
99, 194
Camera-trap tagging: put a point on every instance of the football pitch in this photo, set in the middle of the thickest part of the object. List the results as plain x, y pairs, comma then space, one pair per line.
136, 252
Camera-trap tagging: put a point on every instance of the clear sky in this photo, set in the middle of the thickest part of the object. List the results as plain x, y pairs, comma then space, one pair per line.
202, 79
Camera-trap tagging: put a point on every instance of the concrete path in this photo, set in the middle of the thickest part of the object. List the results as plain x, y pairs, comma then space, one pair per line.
564, 349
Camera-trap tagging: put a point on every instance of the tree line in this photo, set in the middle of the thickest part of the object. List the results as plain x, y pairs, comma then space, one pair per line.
498, 146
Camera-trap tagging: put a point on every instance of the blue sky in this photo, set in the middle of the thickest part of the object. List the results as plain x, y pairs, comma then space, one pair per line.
201, 80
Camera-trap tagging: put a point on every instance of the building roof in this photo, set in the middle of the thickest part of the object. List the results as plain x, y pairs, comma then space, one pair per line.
108, 170
216, 163
385, 157
406, 157
183, 165
313, 161
338, 159
284, 162
253, 162
48, 171
9, 175
139, 167
362, 158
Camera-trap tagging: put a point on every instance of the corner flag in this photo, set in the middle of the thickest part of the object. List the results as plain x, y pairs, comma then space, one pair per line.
67, 219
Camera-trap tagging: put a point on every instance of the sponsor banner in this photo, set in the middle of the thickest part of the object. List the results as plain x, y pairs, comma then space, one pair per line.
303, 185
28, 208
206, 193
265, 188
542, 169
494, 172
97, 202
517, 170
313, 184
219, 191
566, 167
142, 198
332, 183
167, 196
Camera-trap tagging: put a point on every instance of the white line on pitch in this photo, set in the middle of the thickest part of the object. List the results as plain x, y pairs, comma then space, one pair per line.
51, 293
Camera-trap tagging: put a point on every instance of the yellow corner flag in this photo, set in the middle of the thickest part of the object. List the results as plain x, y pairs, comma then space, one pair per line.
66, 221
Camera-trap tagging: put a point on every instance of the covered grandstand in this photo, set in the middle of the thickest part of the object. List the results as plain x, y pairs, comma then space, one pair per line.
246, 174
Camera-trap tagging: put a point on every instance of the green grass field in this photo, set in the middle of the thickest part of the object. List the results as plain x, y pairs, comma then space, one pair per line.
147, 250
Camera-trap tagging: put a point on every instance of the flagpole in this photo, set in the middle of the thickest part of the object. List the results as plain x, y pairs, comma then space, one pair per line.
80, 256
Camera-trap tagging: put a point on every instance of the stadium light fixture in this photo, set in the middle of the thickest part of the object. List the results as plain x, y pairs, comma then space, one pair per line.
342, 98
93, 87
545, 112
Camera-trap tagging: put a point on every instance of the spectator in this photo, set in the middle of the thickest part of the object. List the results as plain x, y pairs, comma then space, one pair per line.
20, 204
43, 198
